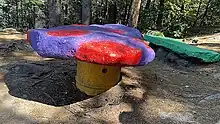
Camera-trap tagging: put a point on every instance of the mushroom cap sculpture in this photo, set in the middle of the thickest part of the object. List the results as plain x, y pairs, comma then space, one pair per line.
100, 50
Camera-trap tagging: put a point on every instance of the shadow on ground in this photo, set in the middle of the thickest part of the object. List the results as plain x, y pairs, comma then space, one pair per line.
48, 82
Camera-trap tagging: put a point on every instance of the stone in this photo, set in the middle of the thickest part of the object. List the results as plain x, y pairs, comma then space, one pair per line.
172, 57
178, 117
214, 98
161, 53
182, 62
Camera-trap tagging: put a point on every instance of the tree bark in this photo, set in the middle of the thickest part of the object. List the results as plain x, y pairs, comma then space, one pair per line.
54, 8
106, 11
128, 12
86, 12
182, 11
134, 15
34, 16
205, 13
147, 6
8, 14
197, 13
160, 15
112, 12
17, 15
22, 15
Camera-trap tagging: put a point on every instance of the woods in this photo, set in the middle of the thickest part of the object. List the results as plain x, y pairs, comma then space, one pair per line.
172, 17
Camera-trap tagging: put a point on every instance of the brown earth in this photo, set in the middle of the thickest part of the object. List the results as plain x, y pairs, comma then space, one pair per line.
211, 42
42, 90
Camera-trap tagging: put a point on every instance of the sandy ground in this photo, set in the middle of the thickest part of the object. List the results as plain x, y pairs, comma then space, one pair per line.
41, 90
211, 42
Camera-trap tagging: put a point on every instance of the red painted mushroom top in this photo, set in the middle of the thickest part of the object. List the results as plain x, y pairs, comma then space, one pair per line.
110, 44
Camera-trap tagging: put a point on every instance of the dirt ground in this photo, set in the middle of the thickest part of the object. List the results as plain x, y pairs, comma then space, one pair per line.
211, 42
42, 90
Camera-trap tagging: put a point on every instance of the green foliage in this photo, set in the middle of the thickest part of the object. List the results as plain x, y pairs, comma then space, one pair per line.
176, 30
180, 15
155, 33
175, 16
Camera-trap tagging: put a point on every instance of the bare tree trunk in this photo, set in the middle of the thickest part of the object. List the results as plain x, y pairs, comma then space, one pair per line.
182, 11
160, 14
112, 12
106, 11
8, 15
65, 13
125, 13
22, 14
86, 11
17, 16
29, 15
54, 8
147, 6
128, 12
205, 13
134, 15
197, 13
34, 16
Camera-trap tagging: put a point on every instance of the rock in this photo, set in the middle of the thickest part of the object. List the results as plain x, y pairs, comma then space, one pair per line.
178, 117
172, 57
161, 53
210, 99
182, 62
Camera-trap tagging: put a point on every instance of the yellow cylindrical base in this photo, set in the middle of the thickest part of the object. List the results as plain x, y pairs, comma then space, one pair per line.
94, 79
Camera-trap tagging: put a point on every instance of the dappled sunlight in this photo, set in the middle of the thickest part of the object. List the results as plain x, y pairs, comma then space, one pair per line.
130, 72
10, 117
210, 42
146, 107
215, 48
152, 94
157, 105
111, 113
36, 111
157, 109
9, 37
174, 88
30, 56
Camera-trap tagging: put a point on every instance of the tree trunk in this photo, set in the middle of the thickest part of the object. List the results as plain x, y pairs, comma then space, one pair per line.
17, 16
8, 14
182, 11
128, 12
29, 15
66, 9
26, 18
34, 16
197, 13
86, 12
134, 15
106, 11
147, 6
205, 13
160, 15
112, 12
54, 9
